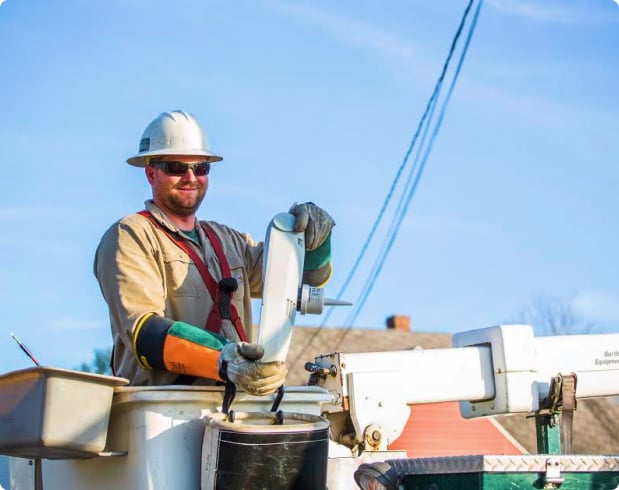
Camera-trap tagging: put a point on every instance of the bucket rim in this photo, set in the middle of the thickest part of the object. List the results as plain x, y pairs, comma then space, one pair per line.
306, 422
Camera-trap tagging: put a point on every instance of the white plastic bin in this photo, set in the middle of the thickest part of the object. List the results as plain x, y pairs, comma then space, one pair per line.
54, 413
162, 429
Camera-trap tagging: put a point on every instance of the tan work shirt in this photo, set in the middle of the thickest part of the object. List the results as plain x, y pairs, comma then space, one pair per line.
140, 270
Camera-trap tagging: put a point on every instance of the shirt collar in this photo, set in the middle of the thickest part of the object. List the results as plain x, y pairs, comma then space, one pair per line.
160, 216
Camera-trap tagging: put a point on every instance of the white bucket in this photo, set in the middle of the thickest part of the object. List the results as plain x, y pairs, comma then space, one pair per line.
261, 451
162, 429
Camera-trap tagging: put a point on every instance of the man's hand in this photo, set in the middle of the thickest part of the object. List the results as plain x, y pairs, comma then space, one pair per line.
314, 221
239, 363
317, 225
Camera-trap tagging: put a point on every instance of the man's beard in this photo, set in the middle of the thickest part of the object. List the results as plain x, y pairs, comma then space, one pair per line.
184, 205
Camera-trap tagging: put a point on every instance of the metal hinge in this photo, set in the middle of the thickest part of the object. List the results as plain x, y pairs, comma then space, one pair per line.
553, 478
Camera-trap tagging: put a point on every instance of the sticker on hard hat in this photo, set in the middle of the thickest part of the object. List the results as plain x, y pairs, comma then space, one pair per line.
144, 144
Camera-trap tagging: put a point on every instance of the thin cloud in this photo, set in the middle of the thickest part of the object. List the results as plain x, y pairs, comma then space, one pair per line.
443, 223
8, 213
352, 31
547, 11
542, 109
72, 324
601, 306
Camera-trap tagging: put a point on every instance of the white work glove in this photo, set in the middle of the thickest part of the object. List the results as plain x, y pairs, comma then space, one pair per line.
239, 363
314, 221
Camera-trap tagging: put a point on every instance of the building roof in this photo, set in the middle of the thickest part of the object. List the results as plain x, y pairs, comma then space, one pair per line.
438, 428
308, 343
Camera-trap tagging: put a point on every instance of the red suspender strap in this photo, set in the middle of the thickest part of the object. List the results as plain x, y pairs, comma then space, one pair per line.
225, 272
213, 322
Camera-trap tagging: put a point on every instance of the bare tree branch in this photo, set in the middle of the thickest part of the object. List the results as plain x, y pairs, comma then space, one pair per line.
551, 315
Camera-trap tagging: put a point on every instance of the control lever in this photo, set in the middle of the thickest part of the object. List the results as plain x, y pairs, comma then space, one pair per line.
322, 371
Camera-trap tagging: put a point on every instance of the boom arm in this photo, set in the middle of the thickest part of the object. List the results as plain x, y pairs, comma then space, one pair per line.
491, 371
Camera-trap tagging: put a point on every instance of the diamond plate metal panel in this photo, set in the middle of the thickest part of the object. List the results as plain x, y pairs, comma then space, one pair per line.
502, 464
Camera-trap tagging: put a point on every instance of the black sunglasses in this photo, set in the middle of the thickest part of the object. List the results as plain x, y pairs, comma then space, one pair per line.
180, 168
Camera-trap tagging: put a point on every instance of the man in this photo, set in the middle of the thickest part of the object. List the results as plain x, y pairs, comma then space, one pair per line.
179, 289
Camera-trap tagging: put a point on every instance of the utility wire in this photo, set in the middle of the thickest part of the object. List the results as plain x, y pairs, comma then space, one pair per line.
371, 281
427, 112
413, 176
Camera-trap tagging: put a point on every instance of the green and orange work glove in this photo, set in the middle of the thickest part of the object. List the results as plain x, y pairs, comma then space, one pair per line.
316, 224
181, 348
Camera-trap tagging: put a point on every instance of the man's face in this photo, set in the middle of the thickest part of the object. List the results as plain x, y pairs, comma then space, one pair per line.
177, 195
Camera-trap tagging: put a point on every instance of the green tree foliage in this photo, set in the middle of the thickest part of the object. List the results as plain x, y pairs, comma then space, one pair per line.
100, 363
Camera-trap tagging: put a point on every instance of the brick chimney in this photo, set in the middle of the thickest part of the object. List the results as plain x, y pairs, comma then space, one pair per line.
399, 322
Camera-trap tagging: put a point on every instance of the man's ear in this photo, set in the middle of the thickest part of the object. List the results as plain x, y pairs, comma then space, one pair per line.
150, 173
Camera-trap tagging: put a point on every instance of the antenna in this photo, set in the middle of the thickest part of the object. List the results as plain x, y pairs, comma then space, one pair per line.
25, 349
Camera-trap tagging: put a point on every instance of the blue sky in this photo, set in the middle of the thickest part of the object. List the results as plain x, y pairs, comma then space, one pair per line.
316, 101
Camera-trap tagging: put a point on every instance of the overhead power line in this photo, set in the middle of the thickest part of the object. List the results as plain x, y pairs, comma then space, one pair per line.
411, 182
415, 177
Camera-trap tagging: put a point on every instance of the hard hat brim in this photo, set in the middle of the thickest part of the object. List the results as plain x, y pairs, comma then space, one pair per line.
139, 160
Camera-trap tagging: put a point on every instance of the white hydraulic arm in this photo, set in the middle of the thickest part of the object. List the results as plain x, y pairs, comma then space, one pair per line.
491, 371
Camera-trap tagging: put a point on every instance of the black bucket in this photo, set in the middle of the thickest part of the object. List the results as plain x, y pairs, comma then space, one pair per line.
256, 453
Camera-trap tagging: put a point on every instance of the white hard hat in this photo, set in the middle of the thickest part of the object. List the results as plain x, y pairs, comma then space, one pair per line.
172, 133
